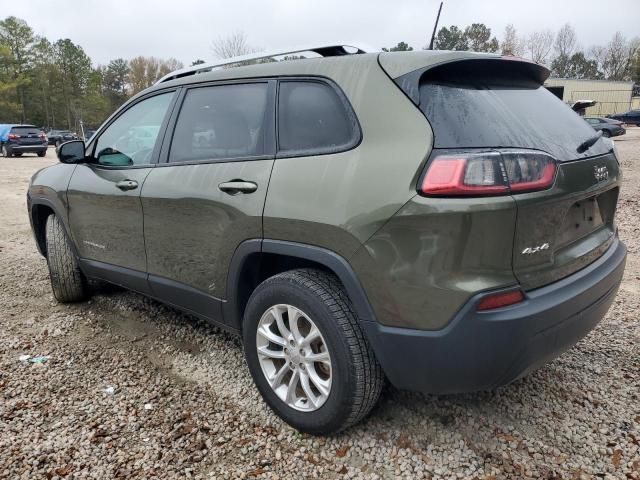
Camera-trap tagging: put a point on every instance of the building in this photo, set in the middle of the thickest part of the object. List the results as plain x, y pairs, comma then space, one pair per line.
610, 97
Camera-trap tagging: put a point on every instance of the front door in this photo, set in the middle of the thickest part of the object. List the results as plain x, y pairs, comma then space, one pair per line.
208, 195
105, 213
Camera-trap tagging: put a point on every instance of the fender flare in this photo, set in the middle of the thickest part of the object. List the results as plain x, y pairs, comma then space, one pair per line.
33, 201
332, 261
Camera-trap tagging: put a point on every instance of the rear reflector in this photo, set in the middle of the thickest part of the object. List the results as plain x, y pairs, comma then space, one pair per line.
498, 300
488, 173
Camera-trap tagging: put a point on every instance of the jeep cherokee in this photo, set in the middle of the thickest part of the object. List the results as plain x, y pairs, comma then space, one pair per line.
410, 216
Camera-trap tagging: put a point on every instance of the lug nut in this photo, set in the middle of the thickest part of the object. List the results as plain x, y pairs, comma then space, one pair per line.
302, 352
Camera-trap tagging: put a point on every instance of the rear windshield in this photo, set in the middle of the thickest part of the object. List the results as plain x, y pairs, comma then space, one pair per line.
25, 130
503, 113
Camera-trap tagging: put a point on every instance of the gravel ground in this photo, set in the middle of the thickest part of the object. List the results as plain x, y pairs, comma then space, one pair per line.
133, 389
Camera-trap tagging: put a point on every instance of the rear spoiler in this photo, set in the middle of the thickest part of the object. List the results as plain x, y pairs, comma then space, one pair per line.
469, 69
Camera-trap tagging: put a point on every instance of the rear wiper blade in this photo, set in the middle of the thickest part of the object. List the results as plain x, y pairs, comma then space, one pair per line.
584, 146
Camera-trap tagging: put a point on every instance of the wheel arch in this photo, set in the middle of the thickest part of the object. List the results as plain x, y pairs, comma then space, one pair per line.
256, 260
39, 211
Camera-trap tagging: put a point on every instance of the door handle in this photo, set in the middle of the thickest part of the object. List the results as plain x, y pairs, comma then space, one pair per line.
127, 185
238, 186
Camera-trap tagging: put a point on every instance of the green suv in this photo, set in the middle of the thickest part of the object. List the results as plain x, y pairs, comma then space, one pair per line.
408, 216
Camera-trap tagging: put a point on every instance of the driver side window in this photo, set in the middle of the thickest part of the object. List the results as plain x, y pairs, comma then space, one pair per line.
130, 139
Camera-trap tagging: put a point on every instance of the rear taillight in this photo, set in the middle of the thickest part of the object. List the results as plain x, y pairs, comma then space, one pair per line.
42, 135
499, 300
488, 173
13, 136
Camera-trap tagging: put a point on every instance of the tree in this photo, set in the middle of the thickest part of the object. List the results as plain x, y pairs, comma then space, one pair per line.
539, 45
618, 57
18, 39
232, 45
400, 47
581, 67
512, 44
9, 107
451, 38
115, 78
479, 38
145, 71
564, 45
75, 69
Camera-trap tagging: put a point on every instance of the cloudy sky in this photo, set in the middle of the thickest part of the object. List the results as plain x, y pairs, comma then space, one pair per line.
185, 29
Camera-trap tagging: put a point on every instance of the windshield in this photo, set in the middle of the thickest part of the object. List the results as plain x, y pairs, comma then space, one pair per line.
508, 113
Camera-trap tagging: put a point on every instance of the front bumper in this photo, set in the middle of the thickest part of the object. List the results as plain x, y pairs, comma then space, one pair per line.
483, 350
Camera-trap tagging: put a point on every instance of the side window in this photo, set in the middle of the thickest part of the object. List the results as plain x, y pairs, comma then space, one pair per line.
313, 118
221, 122
130, 139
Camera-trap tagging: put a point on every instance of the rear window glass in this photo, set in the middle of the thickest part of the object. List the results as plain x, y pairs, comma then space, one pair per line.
25, 130
313, 118
510, 113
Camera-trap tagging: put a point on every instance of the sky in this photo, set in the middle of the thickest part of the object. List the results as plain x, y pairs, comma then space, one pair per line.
186, 29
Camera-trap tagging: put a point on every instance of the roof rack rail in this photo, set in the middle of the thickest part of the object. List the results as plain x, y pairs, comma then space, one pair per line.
327, 50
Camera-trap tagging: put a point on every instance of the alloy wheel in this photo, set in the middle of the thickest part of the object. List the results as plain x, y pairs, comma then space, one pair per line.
294, 357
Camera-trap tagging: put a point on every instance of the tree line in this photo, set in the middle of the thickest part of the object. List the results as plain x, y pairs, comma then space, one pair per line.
54, 84
618, 59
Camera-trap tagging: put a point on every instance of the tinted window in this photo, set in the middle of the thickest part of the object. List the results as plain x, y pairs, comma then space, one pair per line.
503, 113
312, 117
221, 122
130, 139
25, 130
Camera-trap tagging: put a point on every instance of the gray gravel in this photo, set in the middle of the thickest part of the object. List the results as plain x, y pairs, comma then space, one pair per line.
133, 389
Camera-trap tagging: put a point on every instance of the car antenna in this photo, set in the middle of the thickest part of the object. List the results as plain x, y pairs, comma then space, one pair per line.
435, 27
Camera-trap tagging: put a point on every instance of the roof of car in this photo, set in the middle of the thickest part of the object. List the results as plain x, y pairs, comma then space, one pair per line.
395, 63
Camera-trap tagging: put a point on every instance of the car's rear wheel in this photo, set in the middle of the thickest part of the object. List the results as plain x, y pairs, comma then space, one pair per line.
307, 353
67, 280
42, 153
606, 133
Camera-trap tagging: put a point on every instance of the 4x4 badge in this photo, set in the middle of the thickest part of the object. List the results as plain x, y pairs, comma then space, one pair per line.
601, 173
536, 249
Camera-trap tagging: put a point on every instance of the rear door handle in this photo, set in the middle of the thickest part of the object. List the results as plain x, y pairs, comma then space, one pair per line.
238, 186
125, 185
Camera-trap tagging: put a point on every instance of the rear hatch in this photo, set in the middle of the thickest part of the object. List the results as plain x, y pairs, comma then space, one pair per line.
501, 106
25, 135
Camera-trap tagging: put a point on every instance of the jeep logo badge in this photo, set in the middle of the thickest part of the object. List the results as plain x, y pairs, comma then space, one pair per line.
601, 173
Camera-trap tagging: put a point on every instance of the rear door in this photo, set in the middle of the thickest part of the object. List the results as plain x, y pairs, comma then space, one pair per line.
207, 194
105, 213
503, 109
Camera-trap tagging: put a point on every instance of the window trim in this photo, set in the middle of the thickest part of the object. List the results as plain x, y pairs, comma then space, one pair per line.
155, 153
356, 137
269, 125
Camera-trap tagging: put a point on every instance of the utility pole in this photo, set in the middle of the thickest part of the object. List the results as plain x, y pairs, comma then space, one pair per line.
435, 27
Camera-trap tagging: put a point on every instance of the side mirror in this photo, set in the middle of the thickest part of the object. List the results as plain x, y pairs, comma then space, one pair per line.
71, 152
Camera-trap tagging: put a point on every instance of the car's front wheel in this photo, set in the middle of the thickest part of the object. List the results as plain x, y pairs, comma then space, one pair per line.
307, 353
67, 280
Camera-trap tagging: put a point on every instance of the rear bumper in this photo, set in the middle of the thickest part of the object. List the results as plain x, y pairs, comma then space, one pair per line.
42, 147
483, 350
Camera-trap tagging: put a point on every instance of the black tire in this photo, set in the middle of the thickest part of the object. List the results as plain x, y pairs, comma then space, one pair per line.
67, 280
606, 133
42, 154
357, 378
17, 154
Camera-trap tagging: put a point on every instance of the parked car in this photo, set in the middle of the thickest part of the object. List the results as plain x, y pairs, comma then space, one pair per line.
608, 126
88, 134
58, 137
353, 217
18, 139
632, 117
